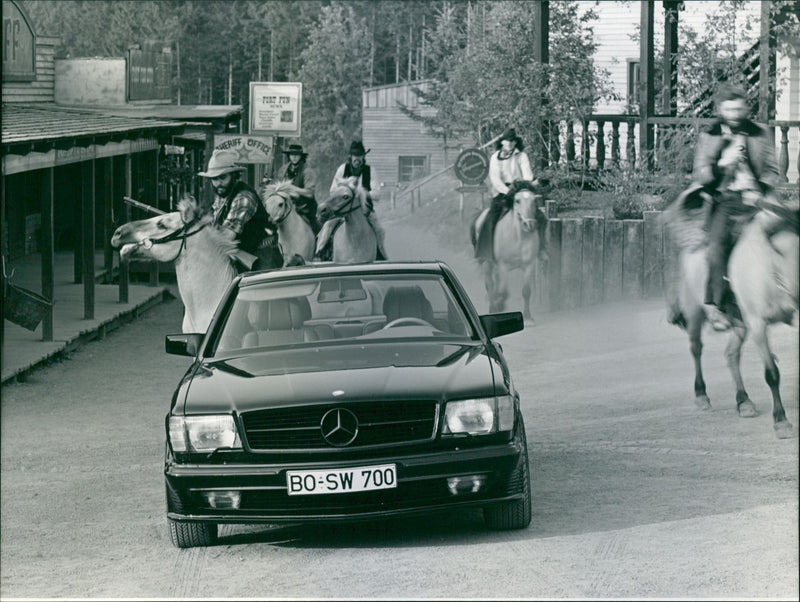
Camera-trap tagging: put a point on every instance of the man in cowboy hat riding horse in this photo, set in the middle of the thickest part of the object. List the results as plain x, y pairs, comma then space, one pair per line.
238, 207
355, 167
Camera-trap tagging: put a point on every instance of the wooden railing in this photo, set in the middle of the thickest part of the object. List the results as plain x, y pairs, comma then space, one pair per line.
602, 141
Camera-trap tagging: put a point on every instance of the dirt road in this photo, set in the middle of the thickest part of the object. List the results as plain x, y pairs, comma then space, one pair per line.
636, 493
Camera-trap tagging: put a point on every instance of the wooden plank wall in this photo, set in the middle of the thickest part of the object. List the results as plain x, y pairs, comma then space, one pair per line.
43, 88
596, 260
389, 134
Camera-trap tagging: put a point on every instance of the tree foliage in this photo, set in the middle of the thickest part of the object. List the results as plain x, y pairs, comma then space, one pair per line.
487, 76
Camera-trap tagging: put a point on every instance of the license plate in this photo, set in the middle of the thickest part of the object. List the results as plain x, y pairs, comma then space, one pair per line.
345, 480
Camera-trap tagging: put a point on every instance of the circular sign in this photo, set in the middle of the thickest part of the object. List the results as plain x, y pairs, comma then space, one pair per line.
472, 166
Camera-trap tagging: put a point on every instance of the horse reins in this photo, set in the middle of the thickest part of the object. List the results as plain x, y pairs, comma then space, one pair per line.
181, 234
284, 217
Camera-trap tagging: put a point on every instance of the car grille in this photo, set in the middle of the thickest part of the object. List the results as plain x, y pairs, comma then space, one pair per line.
379, 423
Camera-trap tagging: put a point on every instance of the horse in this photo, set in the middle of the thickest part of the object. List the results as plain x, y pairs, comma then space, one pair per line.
516, 246
202, 253
354, 239
763, 277
295, 236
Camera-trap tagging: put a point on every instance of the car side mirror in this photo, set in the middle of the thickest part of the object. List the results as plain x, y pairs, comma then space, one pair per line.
183, 344
496, 325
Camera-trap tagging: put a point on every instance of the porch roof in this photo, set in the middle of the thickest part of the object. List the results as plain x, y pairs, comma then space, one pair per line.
47, 124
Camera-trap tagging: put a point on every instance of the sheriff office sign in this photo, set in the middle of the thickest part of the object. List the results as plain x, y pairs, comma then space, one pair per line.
275, 108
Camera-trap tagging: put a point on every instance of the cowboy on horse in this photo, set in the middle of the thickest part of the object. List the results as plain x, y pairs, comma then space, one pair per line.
238, 208
355, 174
507, 166
734, 175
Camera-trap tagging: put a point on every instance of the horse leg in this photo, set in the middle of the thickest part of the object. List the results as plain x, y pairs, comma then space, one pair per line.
528, 282
733, 353
500, 287
783, 428
694, 329
488, 281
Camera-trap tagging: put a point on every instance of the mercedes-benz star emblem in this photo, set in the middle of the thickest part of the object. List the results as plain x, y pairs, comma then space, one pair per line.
339, 427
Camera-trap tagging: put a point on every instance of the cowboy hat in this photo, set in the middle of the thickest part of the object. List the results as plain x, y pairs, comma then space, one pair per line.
357, 148
295, 149
221, 162
510, 134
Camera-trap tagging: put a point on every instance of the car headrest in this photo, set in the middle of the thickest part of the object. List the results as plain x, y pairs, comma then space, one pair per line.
407, 302
279, 314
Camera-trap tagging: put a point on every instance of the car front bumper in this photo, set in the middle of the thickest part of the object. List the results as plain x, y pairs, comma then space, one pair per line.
421, 487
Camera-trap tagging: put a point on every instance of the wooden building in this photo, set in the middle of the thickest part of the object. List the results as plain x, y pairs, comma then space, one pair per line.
65, 171
402, 149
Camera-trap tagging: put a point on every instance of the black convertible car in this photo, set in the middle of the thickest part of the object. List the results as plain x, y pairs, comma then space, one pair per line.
338, 393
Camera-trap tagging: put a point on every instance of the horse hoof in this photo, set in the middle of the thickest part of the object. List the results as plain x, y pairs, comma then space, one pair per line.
702, 402
784, 430
747, 409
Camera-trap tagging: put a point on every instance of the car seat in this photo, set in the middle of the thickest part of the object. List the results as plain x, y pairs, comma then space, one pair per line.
279, 322
407, 302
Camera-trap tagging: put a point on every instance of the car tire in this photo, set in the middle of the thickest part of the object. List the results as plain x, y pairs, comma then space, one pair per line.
515, 514
192, 534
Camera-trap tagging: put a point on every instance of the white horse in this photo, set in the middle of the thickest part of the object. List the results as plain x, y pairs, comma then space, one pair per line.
516, 247
354, 239
295, 235
201, 251
763, 275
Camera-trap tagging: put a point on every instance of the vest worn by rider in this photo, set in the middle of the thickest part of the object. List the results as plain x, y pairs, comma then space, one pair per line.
254, 230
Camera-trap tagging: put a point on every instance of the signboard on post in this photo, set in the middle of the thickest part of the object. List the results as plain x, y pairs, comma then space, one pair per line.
275, 108
19, 45
472, 166
150, 71
251, 149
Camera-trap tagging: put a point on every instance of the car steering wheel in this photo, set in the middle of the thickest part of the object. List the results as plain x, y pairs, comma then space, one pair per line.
409, 320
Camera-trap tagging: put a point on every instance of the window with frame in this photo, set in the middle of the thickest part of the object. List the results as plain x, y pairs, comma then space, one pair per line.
412, 167
633, 83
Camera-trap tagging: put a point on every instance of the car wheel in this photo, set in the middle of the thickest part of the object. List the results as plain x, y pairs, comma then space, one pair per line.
191, 534
515, 514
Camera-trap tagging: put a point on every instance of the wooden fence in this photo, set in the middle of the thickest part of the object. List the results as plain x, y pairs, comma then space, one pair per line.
597, 260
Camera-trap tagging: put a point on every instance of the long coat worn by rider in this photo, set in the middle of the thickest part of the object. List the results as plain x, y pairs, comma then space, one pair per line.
302, 177
735, 192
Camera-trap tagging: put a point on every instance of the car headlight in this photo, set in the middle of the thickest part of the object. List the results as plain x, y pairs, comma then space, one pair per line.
479, 416
203, 433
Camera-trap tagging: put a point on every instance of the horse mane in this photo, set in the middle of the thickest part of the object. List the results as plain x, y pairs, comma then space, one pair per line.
283, 188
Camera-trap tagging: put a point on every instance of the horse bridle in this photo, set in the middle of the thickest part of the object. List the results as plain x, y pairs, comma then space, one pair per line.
181, 233
350, 209
289, 205
527, 222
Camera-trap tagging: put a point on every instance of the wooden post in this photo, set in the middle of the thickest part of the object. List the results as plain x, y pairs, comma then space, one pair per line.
77, 263
646, 92
124, 272
48, 258
108, 219
670, 88
601, 144
153, 276
541, 50
646, 88
615, 143
766, 89
87, 227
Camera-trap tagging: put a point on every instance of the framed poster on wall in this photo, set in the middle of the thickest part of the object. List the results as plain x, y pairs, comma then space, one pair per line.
275, 108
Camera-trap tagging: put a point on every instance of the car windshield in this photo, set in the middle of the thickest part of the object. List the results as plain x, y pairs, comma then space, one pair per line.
340, 309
